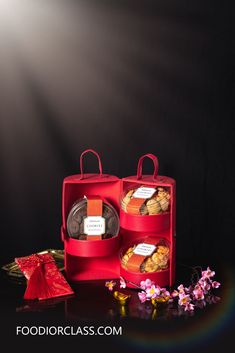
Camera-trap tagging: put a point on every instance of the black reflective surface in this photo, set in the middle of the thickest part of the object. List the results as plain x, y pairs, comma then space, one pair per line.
144, 328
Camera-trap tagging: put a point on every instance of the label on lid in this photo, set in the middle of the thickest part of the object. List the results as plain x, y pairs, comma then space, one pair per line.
144, 193
94, 225
144, 249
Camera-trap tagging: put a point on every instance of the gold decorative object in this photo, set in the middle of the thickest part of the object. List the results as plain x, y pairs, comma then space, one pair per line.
121, 297
161, 300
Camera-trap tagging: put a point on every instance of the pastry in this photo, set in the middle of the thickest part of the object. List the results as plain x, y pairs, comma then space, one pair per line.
153, 206
156, 262
157, 204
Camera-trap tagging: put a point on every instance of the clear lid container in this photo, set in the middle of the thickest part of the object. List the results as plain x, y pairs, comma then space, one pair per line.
145, 200
78, 214
157, 261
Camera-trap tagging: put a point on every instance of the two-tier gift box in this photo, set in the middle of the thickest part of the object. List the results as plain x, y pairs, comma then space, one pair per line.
112, 226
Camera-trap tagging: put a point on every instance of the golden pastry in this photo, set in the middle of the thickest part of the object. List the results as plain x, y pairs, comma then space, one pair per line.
158, 203
127, 255
153, 206
149, 266
156, 262
162, 249
164, 204
144, 210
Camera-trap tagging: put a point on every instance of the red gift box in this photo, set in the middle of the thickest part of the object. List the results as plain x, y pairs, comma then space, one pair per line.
100, 259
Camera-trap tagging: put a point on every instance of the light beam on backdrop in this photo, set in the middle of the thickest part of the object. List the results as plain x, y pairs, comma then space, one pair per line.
112, 75
62, 72
101, 74
85, 60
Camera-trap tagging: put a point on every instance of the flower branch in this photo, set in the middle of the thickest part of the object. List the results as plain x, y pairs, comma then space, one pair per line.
188, 297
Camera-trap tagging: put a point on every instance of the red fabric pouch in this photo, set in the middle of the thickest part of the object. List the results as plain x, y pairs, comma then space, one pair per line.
44, 280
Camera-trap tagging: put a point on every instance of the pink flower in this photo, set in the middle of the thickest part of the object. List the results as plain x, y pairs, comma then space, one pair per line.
198, 293
174, 294
146, 284
215, 284
204, 284
189, 307
142, 296
184, 299
122, 282
208, 273
153, 291
188, 297
164, 292
188, 289
181, 289
110, 285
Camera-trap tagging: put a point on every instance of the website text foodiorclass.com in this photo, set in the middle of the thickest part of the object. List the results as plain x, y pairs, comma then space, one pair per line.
68, 331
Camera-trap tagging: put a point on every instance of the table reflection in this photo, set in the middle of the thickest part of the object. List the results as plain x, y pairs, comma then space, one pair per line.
92, 301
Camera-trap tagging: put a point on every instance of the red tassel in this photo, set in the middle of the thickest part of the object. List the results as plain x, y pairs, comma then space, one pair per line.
45, 281
37, 285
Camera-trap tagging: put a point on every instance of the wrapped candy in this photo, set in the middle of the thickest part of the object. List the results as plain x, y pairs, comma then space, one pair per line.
44, 280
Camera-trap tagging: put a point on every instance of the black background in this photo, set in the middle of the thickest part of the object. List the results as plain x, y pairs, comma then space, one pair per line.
124, 77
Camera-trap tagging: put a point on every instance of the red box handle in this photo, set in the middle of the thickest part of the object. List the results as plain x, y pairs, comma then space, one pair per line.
81, 162
140, 165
